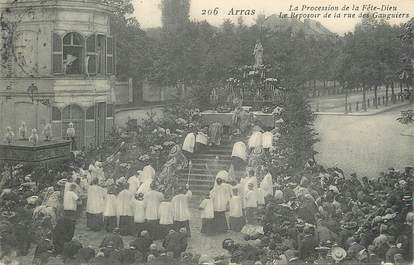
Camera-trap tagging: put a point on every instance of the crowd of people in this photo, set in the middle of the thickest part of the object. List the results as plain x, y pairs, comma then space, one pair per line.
315, 214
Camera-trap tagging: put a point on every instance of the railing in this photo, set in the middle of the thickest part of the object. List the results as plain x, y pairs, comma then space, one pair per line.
374, 102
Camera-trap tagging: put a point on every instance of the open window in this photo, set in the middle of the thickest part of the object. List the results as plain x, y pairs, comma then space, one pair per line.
73, 53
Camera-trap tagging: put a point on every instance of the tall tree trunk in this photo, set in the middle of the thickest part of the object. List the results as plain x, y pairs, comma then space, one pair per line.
386, 93
376, 96
364, 95
392, 92
401, 86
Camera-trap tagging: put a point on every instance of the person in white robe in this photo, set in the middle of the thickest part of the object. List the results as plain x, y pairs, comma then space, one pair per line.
207, 215
110, 213
236, 218
215, 132
125, 211
255, 139
91, 174
266, 185
146, 178
70, 199
139, 213
267, 140
133, 183
223, 175
166, 214
252, 202
239, 155
189, 144
201, 141
181, 207
251, 178
100, 174
220, 195
152, 200
94, 206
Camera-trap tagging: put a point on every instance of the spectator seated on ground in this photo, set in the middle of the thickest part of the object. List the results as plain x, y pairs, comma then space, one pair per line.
174, 242
71, 248
113, 240
142, 243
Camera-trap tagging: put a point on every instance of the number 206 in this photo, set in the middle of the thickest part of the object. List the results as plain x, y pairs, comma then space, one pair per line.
210, 12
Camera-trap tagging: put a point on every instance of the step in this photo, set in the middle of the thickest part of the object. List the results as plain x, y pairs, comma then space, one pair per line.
198, 183
198, 178
212, 159
210, 155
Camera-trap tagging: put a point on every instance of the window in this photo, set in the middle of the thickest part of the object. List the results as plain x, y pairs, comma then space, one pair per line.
90, 113
90, 60
109, 110
109, 55
72, 112
56, 114
73, 49
57, 54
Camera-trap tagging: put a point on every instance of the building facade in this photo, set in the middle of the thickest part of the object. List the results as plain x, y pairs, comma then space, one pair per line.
57, 65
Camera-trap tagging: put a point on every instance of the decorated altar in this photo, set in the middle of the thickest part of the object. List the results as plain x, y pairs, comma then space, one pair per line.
43, 152
210, 116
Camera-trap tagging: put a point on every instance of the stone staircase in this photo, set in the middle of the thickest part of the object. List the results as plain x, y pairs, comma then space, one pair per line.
201, 180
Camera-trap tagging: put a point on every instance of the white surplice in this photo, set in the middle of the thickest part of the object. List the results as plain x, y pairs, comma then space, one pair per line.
220, 195
96, 199
239, 150
181, 207
189, 142
125, 203
152, 200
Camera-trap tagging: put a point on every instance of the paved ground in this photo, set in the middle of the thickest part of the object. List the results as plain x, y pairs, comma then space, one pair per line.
364, 144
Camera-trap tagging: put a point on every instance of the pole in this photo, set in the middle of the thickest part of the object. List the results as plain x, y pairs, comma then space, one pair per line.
189, 172
346, 100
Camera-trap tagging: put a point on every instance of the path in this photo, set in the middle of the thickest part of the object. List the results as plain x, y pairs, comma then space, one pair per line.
364, 144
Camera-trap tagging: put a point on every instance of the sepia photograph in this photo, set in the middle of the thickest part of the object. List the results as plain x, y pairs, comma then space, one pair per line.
195, 132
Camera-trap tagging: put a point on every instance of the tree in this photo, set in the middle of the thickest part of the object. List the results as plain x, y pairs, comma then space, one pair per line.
134, 50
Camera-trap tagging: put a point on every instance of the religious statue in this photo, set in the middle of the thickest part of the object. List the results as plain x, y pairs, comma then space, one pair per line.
70, 133
23, 131
258, 54
213, 97
9, 135
34, 138
47, 132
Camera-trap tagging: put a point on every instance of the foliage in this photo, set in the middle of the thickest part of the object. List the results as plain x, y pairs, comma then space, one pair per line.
407, 117
297, 136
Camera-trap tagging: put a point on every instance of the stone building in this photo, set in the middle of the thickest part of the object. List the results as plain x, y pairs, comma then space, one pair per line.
56, 66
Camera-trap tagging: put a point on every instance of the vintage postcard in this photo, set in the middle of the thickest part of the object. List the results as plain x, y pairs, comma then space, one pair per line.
206, 132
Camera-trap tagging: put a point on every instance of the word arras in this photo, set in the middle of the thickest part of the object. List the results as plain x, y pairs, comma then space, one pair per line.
231, 12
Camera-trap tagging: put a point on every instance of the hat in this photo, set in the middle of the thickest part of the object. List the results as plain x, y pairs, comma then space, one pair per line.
121, 181
62, 182
206, 260
291, 255
338, 253
32, 199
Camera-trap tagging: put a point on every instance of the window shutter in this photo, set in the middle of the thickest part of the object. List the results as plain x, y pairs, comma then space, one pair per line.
57, 54
109, 55
115, 56
91, 53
